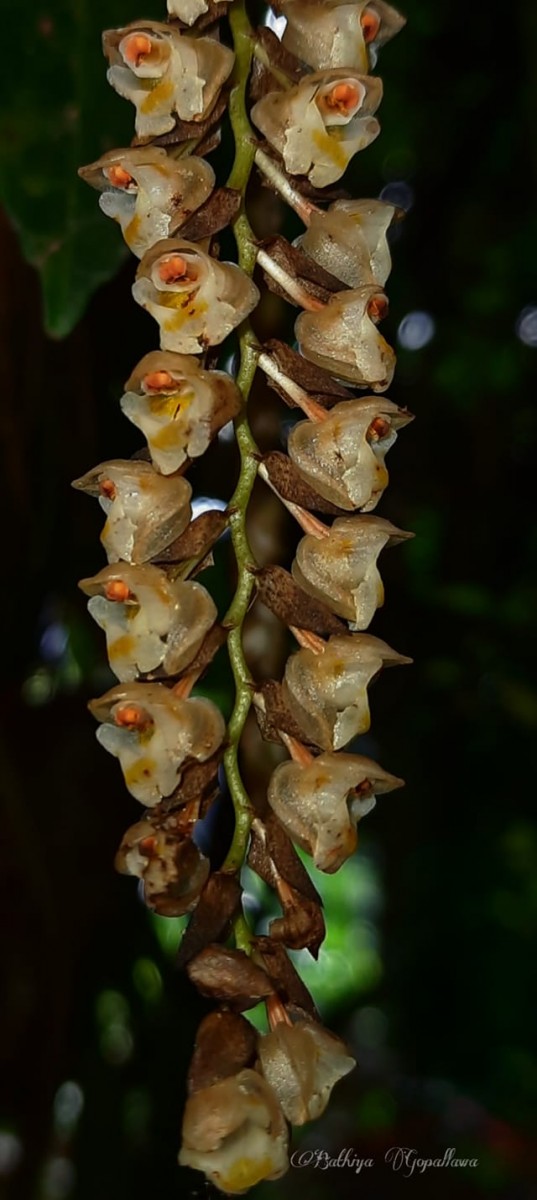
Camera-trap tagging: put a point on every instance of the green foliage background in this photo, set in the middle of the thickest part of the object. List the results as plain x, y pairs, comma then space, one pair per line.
429, 970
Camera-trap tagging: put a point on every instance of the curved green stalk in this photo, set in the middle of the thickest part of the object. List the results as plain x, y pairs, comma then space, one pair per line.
240, 174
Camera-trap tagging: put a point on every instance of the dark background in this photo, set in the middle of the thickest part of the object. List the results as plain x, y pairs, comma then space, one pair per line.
430, 963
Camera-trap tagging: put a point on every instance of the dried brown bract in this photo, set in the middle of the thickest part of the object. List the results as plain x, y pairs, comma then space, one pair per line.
171, 867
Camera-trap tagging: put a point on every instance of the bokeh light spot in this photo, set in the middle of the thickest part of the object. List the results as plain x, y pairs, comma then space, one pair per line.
68, 1105
11, 1152
526, 326
416, 330
147, 980
399, 193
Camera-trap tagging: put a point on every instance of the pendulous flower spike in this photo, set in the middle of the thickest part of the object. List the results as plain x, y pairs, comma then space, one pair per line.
342, 457
196, 299
149, 193
321, 123
165, 74
235, 1132
161, 628
178, 406
145, 511
151, 622
153, 733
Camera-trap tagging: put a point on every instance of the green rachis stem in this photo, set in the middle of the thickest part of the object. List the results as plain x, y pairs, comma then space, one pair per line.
240, 174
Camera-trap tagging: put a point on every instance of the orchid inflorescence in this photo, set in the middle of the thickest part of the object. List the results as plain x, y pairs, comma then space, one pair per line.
314, 102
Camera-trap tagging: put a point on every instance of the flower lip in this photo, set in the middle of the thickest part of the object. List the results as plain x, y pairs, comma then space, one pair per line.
379, 428
160, 381
107, 488
148, 846
132, 717
135, 49
120, 178
377, 308
370, 22
338, 102
118, 591
176, 271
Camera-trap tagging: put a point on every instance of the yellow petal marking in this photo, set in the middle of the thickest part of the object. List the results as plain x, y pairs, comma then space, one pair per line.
139, 772
160, 94
245, 1173
123, 647
329, 144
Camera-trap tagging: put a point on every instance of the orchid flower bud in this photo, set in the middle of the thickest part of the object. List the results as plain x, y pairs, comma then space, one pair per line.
327, 691
178, 406
341, 568
342, 456
149, 193
329, 33
196, 300
302, 1063
149, 620
188, 11
172, 869
319, 124
349, 240
343, 338
145, 511
152, 732
320, 804
165, 73
235, 1132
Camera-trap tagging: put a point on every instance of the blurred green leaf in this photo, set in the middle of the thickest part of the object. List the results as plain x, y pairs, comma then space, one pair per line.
57, 113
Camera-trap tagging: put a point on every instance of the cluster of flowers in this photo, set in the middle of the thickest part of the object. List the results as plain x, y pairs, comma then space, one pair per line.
161, 626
